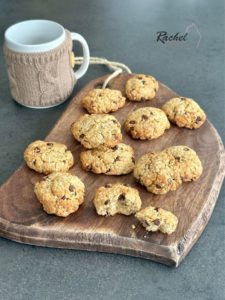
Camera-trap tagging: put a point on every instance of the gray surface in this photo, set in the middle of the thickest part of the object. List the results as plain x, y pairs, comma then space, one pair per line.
124, 31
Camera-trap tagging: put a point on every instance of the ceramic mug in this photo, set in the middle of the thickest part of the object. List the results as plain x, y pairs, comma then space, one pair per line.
39, 62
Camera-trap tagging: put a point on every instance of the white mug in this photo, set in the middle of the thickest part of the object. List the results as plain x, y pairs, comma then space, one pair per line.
40, 50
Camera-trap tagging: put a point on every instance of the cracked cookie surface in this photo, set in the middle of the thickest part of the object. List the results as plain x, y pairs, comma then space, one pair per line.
110, 161
157, 219
60, 193
141, 87
158, 172
99, 101
116, 198
48, 157
96, 130
184, 112
188, 162
146, 123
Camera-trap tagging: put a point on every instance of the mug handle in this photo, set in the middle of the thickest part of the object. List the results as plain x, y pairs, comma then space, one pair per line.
83, 68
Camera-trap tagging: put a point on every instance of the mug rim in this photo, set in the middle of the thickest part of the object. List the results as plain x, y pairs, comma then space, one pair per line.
45, 46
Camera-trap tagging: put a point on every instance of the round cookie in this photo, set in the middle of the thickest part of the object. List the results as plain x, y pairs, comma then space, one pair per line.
184, 112
96, 130
116, 199
146, 123
157, 219
189, 164
110, 161
99, 101
158, 172
48, 157
60, 193
141, 87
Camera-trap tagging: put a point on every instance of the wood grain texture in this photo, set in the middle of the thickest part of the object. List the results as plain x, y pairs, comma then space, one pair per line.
23, 220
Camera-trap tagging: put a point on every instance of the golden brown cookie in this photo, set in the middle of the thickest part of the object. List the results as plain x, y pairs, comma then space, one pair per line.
157, 219
48, 157
184, 112
99, 101
188, 162
60, 193
158, 172
141, 87
146, 123
96, 130
110, 161
116, 199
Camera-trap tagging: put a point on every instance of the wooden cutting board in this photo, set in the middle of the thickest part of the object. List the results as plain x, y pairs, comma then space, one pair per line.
23, 220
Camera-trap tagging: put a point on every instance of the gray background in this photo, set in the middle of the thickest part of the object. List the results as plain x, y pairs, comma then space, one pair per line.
123, 31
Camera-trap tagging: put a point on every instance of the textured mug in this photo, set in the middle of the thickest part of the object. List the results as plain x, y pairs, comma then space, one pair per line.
38, 56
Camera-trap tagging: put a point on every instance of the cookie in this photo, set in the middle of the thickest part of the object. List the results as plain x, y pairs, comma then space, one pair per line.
188, 162
110, 161
48, 157
146, 123
116, 199
184, 112
158, 172
96, 130
141, 87
99, 101
157, 219
60, 193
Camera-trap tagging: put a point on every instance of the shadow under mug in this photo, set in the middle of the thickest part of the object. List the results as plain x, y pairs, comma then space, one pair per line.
38, 56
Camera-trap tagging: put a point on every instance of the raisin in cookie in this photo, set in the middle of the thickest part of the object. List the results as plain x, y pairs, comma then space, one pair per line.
188, 162
147, 123
99, 101
110, 161
184, 112
93, 131
141, 87
116, 199
48, 157
157, 219
158, 172
60, 193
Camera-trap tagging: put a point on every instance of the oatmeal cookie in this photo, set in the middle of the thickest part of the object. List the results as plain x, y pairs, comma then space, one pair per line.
60, 193
184, 112
141, 87
110, 161
99, 101
96, 130
48, 157
116, 199
146, 123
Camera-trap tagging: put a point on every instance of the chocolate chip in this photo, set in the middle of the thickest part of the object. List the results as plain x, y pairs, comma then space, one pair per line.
132, 122
198, 119
108, 185
81, 136
37, 149
72, 188
182, 98
114, 121
156, 209
186, 149
133, 159
115, 148
143, 81
177, 158
126, 184
156, 222
108, 170
144, 117
121, 197
50, 145
155, 89
158, 186
34, 162
63, 197
106, 202
131, 128
64, 161
117, 159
